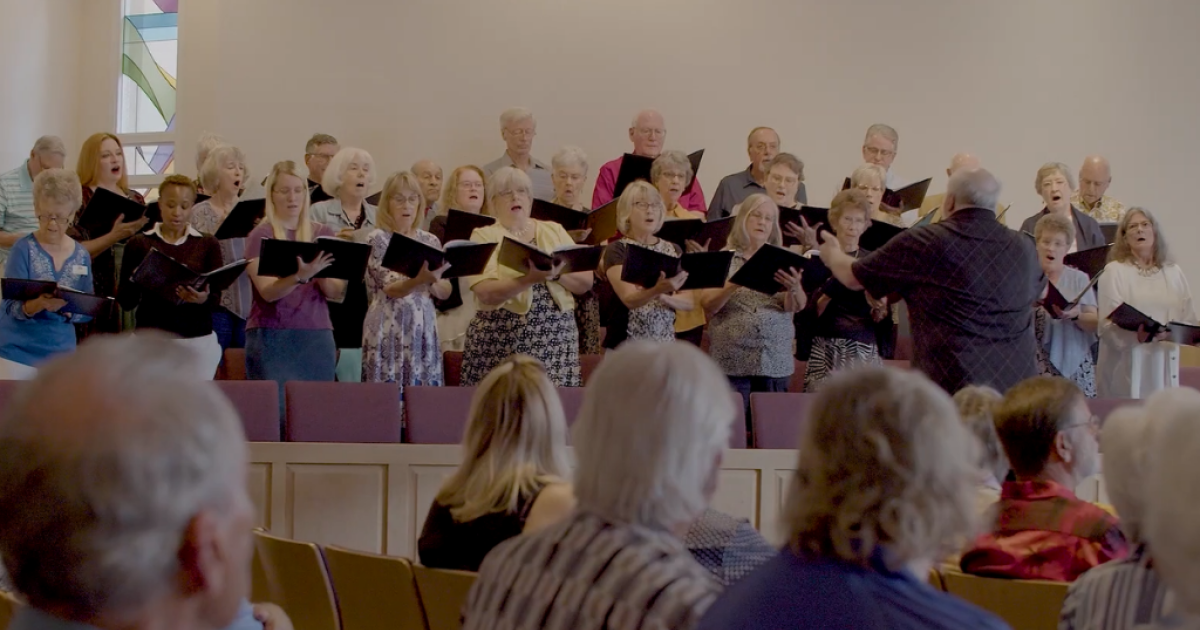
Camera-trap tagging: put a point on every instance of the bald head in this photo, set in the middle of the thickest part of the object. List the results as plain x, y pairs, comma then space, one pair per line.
648, 133
1094, 178
430, 176
974, 188
962, 162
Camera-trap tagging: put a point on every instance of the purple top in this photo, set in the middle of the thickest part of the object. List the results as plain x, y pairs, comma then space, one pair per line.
302, 309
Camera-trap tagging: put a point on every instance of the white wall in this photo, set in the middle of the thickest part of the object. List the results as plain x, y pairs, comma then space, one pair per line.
40, 45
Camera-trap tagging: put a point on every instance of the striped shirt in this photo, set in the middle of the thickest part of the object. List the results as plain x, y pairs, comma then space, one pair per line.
16, 205
589, 573
1121, 594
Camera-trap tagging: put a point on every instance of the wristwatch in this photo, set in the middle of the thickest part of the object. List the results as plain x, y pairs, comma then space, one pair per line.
300, 280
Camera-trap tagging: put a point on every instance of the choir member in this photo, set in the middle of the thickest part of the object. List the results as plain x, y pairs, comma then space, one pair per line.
529, 312
517, 129
670, 174
319, 151
400, 341
16, 192
870, 179
32, 332
289, 336
1095, 176
430, 175
192, 320
640, 313
346, 180
879, 147
569, 175
205, 145
464, 192
1055, 184
223, 175
514, 470
648, 133
785, 180
762, 146
1143, 274
1066, 337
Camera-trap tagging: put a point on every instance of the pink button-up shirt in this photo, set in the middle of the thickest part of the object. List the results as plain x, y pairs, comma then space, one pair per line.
606, 182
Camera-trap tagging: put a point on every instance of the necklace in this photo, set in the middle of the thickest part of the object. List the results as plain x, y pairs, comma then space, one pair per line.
526, 233
1146, 271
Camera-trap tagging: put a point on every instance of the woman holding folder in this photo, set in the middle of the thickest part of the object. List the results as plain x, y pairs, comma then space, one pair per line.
289, 336
671, 173
568, 173
530, 312
189, 315
1065, 337
400, 337
1142, 274
33, 331
464, 191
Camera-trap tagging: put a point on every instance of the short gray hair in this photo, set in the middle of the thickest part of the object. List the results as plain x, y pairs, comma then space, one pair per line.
1173, 498
207, 142
508, 179
1124, 438
335, 173
514, 114
58, 185
883, 131
1048, 169
791, 162
974, 189
977, 407
569, 156
1055, 223
49, 144
655, 418
210, 171
318, 140
873, 170
97, 487
671, 159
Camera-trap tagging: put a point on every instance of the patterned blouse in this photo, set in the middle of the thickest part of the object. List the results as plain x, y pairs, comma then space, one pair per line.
752, 334
1122, 594
1107, 210
236, 299
655, 320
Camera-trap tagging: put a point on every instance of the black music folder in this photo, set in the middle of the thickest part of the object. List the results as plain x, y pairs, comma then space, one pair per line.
78, 302
460, 224
570, 218
912, 196
1054, 297
635, 167
1184, 334
242, 219
160, 274
278, 257
813, 215
1129, 318
405, 255
878, 234
1109, 230
1089, 261
715, 233
758, 273
706, 270
517, 255
374, 199
602, 222
103, 210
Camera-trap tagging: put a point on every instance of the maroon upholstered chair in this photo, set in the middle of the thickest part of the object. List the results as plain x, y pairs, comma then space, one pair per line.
588, 364
737, 434
342, 412
452, 368
233, 365
1101, 407
901, 364
257, 402
436, 415
778, 418
1189, 376
904, 347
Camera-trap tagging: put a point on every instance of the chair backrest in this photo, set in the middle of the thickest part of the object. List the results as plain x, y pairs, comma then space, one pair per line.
298, 582
572, 402
257, 402
1104, 406
588, 364
737, 433
443, 593
1024, 604
436, 415
233, 365
8, 608
342, 412
452, 368
374, 591
796, 383
778, 418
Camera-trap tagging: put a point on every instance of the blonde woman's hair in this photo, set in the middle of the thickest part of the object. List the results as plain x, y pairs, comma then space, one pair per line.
508, 179
739, 238
58, 185
395, 183
1050, 168
89, 160
884, 462
677, 160
450, 190
210, 172
850, 199
1055, 224
788, 161
515, 442
1120, 250
869, 170
304, 227
635, 192
977, 406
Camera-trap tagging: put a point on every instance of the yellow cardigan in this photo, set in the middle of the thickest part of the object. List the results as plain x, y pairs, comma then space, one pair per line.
547, 237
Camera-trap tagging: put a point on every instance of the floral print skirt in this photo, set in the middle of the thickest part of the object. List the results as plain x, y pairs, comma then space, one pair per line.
545, 333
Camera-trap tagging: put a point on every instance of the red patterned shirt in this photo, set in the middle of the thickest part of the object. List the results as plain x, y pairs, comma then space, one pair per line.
1044, 532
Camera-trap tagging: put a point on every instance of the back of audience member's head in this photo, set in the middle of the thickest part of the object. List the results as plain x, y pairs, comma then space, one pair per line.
1046, 429
1172, 515
1124, 440
515, 441
123, 488
649, 437
977, 407
884, 465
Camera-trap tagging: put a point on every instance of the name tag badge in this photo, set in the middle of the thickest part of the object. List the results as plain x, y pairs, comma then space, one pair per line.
79, 270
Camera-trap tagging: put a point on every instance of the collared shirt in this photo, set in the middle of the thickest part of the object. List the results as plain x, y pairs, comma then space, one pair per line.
970, 285
1122, 594
1107, 210
1087, 231
547, 237
790, 591
589, 573
606, 183
16, 204
29, 618
1044, 532
193, 250
734, 189
539, 174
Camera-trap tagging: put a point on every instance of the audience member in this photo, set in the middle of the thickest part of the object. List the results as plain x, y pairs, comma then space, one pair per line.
1143, 274
1065, 337
430, 176
762, 146
1056, 184
651, 432
977, 407
517, 129
523, 312
187, 311
16, 192
514, 466
319, 151
1094, 179
972, 321
33, 331
347, 179
465, 191
1171, 516
729, 547
1044, 532
885, 483
648, 133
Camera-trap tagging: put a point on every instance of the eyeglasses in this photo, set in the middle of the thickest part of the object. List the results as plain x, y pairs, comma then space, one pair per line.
870, 189
511, 194
470, 185
646, 205
674, 175
651, 132
1091, 423
521, 133
47, 219
779, 179
876, 151
411, 200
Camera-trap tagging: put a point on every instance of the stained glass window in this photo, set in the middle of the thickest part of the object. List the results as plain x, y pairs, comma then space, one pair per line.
150, 47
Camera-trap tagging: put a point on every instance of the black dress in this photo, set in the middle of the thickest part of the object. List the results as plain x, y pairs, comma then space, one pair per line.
446, 544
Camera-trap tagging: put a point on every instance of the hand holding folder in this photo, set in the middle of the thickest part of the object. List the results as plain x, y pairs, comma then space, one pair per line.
242, 220
107, 211
171, 280
55, 298
762, 272
568, 259
406, 256
343, 260
1057, 304
645, 267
